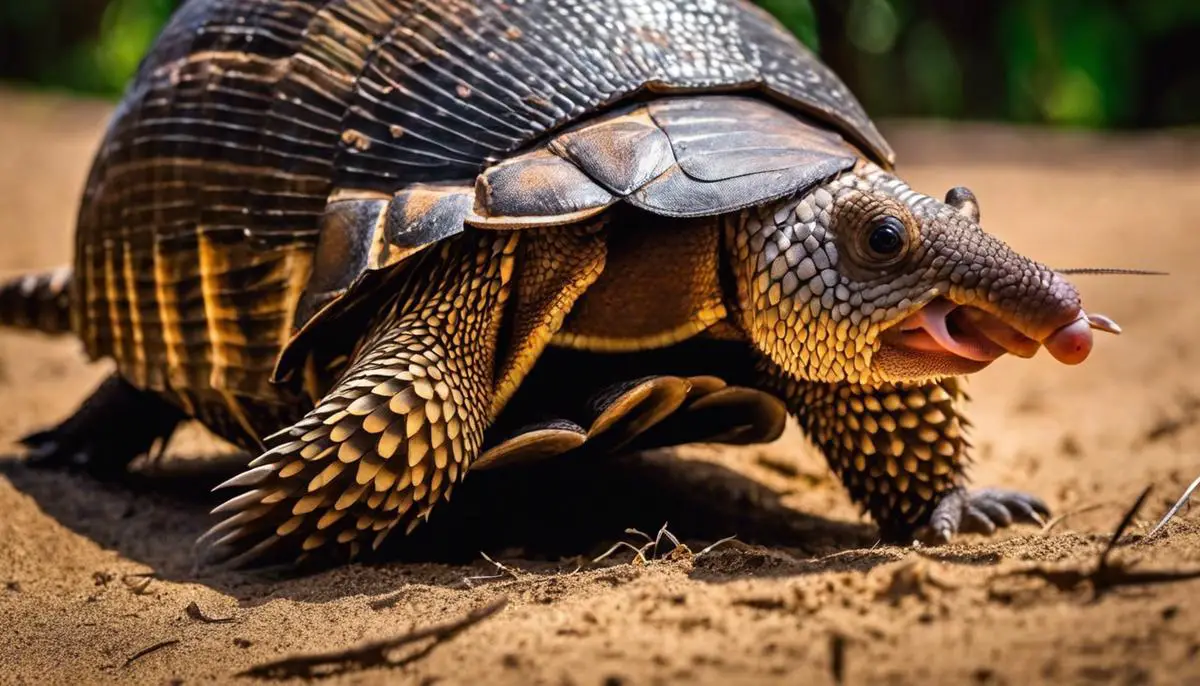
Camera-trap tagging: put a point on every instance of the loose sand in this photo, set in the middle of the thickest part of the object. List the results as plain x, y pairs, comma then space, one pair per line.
92, 574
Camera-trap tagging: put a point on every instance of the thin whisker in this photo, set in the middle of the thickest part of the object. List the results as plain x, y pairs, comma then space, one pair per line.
1103, 271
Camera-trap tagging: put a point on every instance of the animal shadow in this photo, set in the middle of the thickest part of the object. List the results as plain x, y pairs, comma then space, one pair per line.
537, 514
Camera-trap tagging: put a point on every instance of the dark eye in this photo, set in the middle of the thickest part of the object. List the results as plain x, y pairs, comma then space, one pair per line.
887, 237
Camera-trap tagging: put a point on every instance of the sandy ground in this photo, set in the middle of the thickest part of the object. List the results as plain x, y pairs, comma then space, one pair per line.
92, 575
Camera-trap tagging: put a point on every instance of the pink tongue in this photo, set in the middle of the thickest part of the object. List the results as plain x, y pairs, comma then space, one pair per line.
1072, 343
932, 318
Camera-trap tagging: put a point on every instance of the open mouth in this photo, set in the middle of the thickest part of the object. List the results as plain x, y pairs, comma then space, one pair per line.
963, 332
976, 338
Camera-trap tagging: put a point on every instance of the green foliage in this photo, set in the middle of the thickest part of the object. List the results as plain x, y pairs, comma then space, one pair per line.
127, 31
1094, 63
81, 45
798, 15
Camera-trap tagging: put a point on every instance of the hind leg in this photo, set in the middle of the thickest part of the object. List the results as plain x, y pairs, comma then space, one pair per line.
116, 424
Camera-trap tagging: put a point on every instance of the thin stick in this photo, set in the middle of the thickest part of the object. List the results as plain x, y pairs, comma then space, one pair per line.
1187, 494
723, 541
634, 532
374, 654
670, 537
501, 567
146, 651
1120, 530
193, 610
624, 544
1064, 516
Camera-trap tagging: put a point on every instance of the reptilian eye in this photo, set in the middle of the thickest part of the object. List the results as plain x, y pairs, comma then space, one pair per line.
886, 239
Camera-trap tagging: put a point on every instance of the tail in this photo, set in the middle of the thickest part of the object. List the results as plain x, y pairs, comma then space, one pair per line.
37, 302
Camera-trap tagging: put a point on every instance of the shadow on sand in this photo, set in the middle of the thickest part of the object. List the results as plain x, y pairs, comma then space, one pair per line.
537, 515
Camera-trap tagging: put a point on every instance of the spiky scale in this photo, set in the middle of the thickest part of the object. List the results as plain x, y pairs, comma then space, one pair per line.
385, 479
418, 472
418, 447
378, 421
251, 477
313, 542
240, 502
390, 441
389, 388
350, 453
234, 522
403, 402
368, 467
289, 526
318, 455
413, 422
275, 496
308, 503
326, 476
366, 404
335, 418
329, 518
345, 428
350, 496
291, 469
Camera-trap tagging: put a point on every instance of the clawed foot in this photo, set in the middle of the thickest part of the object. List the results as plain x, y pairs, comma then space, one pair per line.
981, 511
112, 427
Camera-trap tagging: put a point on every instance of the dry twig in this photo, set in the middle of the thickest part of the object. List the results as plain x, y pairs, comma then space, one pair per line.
1107, 575
517, 575
146, 651
709, 548
374, 654
193, 610
1049, 526
652, 544
1183, 499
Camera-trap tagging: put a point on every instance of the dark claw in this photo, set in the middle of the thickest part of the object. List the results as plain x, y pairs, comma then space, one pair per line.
1023, 511
976, 520
1023, 506
44, 454
982, 511
945, 521
994, 509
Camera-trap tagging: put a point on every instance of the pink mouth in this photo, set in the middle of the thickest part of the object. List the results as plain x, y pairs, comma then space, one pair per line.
971, 334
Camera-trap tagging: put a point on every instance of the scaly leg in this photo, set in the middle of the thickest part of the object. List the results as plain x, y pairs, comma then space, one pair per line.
901, 452
116, 424
399, 429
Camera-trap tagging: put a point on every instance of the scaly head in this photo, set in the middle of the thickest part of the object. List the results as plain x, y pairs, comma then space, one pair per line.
862, 279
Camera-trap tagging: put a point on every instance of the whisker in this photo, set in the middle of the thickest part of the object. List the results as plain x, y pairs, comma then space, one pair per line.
1103, 271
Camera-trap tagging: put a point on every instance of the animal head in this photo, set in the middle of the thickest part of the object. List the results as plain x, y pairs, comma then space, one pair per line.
862, 279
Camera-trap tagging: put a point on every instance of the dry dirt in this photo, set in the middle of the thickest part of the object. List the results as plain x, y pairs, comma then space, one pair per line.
92, 575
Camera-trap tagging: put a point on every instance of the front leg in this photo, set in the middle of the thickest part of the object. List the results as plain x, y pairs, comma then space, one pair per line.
397, 432
902, 453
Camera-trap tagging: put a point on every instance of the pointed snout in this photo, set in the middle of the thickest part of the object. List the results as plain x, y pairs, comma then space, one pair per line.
1044, 308
990, 299
1032, 305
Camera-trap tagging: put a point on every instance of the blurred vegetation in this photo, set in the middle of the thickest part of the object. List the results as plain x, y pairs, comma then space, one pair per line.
1093, 63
